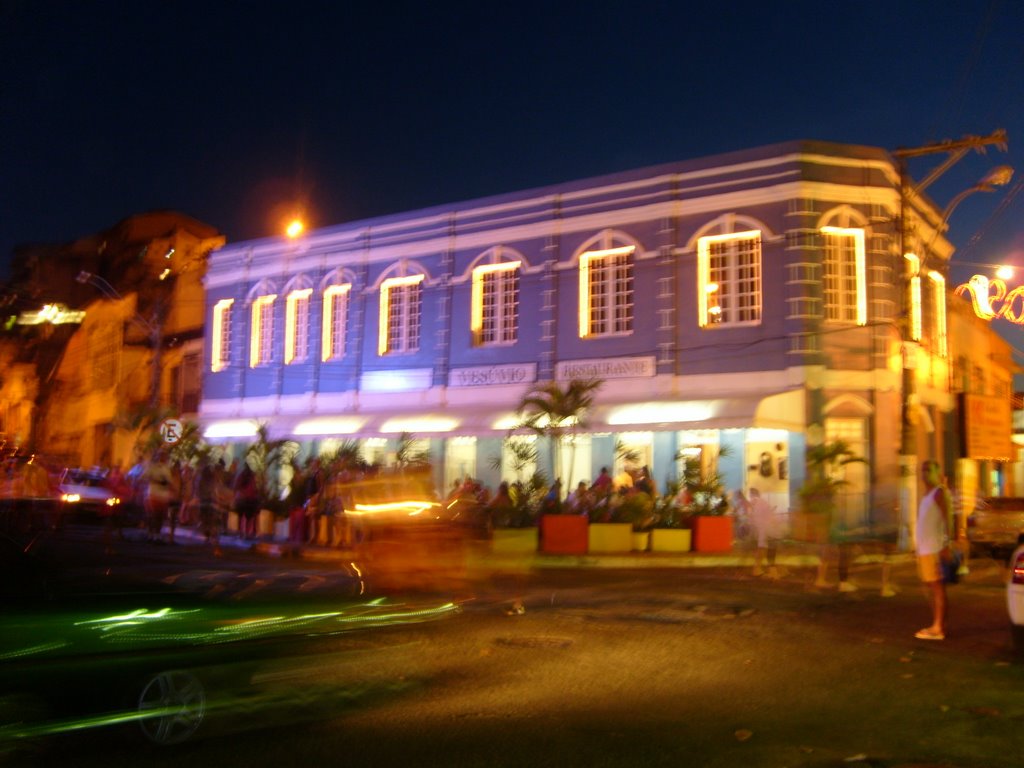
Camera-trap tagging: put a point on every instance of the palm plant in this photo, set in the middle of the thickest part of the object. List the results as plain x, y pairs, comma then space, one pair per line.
408, 455
266, 457
558, 413
824, 475
523, 454
705, 482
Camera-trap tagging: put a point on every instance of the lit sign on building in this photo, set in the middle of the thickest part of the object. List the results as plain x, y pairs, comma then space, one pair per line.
992, 299
55, 314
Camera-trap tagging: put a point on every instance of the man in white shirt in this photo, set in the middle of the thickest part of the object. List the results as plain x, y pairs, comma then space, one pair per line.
933, 546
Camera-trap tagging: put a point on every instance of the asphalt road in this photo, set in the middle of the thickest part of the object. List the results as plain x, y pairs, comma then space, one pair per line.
613, 668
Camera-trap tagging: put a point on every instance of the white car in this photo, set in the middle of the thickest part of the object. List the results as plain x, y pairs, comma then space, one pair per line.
85, 492
1015, 594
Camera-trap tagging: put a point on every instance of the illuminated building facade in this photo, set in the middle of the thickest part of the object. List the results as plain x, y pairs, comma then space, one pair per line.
753, 301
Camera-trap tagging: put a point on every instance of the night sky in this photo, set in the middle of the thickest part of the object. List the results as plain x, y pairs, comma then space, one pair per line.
240, 113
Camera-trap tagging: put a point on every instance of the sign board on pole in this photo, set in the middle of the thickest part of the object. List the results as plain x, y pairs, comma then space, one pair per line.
170, 431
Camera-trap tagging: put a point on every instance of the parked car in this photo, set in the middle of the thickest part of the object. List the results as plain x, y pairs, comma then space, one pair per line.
85, 495
995, 524
28, 497
1015, 594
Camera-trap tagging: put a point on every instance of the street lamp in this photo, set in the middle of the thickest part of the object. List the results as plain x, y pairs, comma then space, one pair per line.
153, 330
997, 177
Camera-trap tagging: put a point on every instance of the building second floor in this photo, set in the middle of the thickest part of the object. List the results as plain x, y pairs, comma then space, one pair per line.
766, 260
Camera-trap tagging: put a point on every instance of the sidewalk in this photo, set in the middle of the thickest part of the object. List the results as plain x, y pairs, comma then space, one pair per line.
791, 554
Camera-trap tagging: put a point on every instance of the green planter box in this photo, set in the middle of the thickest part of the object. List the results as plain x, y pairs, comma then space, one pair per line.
670, 540
609, 537
514, 541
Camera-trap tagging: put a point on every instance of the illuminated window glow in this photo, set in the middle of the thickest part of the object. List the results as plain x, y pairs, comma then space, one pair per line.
400, 303
729, 279
332, 345
606, 292
845, 281
261, 336
495, 304
220, 340
296, 326
913, 269
940, 339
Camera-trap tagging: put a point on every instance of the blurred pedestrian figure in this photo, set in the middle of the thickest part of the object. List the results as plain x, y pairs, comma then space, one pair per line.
175, 503
603, 484
500, 509
313, 485
158, 495
113, 517
205, 491
932, 544
552, 502
766, 528
645, 483
578, 502
246, 501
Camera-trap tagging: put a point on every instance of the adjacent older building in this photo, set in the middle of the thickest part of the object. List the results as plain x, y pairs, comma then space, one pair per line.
133, 346
755, 302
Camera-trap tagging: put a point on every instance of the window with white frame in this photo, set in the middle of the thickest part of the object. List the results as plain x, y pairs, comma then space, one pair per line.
729, 279
495, 303
844, 281
335, 321
606, 292
220, 337
400, 305
937, 324
296, 330
913, 271
262, 333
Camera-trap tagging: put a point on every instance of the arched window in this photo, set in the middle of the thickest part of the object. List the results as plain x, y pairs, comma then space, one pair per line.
606, 285
261, 332
494, 312
401, 307
336, 290
729, 272
220, 336
296, 320
844, 278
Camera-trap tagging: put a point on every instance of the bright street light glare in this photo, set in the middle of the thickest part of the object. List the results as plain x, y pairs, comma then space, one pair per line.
1004, 272
295, 228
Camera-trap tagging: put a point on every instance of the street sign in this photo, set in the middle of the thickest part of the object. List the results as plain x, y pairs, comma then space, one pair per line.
170, 431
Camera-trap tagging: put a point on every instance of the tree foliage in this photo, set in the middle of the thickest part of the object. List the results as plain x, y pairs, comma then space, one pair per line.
559, 413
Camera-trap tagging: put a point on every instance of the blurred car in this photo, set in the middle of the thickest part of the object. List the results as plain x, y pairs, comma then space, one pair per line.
164, 663
28, 497
1015, 594
995, 524
85, 494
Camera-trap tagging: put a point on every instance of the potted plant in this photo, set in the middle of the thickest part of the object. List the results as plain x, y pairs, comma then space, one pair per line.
670, 531
709, 506
268, 459
825, 464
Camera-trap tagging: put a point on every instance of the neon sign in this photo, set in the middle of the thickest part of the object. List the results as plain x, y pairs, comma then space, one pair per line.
992, 299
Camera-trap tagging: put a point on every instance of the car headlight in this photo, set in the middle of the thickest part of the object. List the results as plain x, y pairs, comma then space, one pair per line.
70, 498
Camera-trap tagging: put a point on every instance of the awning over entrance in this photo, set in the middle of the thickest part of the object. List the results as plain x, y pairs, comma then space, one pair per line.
782, 410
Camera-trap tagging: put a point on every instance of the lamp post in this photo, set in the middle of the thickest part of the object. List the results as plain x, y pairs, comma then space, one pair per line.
153, 329
911, 265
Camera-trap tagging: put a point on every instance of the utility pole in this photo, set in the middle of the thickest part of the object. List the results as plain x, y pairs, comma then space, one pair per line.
910, 195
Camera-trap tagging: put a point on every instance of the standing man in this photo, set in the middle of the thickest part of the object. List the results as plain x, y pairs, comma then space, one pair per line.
933, 546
